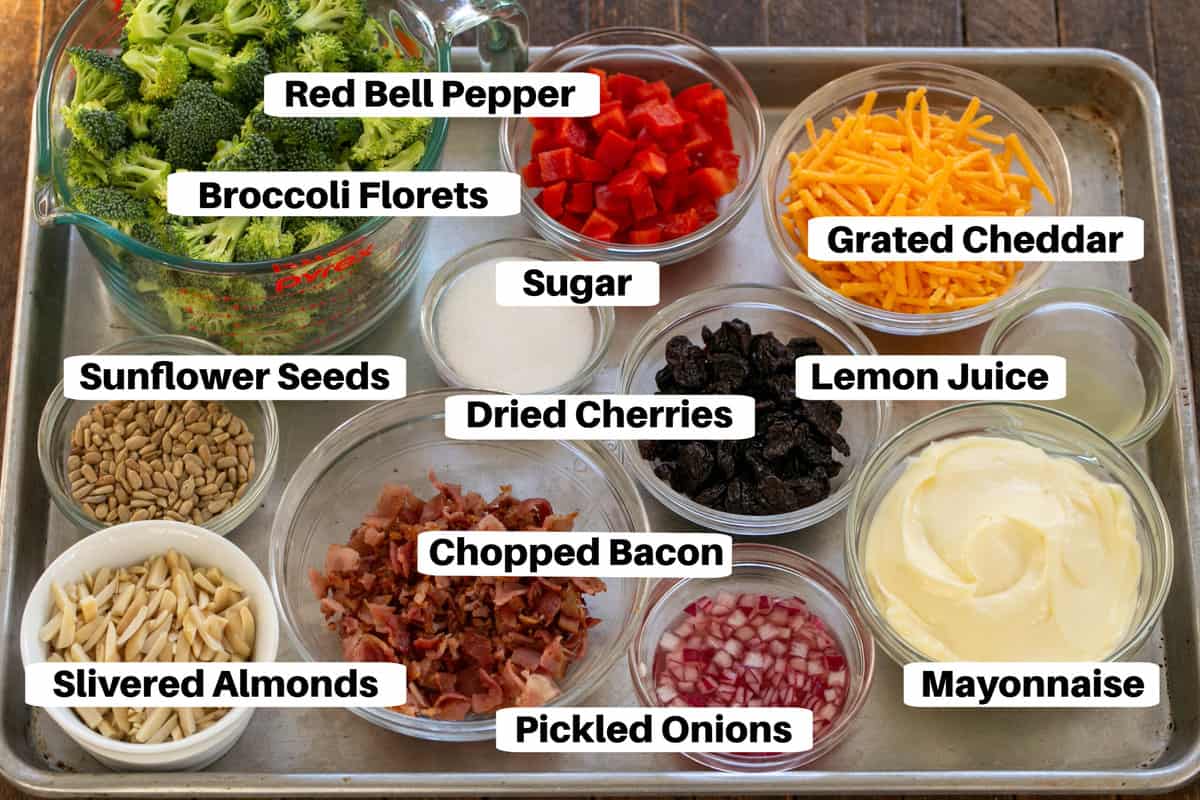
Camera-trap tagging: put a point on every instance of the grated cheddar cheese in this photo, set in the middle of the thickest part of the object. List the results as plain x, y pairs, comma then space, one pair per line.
910, 163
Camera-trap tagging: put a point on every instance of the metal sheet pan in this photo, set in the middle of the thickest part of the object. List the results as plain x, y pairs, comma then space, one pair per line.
1107, 112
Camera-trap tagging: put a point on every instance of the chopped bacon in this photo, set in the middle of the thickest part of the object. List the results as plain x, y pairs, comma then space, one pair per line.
470, 644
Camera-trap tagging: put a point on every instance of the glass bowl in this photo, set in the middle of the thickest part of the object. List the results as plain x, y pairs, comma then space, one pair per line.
763, 569
603, 317
652, 54
1120, 368
787, 313
399, 442
60, 415
950, 89
1059, 435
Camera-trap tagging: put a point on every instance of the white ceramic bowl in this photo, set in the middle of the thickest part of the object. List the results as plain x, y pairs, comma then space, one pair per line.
133, 543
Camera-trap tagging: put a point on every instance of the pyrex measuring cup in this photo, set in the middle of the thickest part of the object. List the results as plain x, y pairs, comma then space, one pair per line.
318, 301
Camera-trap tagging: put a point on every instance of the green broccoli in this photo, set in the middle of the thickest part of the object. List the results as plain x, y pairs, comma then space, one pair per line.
149, 21
214, 240
264, 240
306, 160
253, 152
268, 20
188, 11
101, 78
157, 234
385, 137
194, 22
102, 131
318, 233
139, 169
280, 334
163, 67
240, 77
405, 160
342, 17
321, 52
309, 133
189, 129
140, 117
116, 207
84, 168
211, 49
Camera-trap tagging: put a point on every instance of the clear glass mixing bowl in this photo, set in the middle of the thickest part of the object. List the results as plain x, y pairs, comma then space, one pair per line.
322, 300
399, 442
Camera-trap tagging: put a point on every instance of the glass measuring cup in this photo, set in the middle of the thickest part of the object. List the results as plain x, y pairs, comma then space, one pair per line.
319, 301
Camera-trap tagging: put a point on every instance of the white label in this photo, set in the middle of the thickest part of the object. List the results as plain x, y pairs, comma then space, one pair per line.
344, 194
329, 684
431, 94
1055, 684
575, 554
931, 377
599, 416
653, 730
233, 377
577, 283
975, 238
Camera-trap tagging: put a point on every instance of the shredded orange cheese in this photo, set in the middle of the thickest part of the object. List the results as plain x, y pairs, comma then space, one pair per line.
910, 163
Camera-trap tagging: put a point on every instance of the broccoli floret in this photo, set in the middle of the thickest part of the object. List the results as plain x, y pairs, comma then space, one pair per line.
140, 117
206, 53
341, 17
149, 21
406, 159
308, 133
101, 78
214, 240
265, 239
139, 169
278, 335
268, 20
160, 235
188, 130
102, 131
194, 22
163, 67
253, 152
116, 207
318, 233
321, 52
304, 160
385, 137
240, 77
84, 168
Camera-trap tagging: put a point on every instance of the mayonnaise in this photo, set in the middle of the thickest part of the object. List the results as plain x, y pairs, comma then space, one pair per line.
988, 549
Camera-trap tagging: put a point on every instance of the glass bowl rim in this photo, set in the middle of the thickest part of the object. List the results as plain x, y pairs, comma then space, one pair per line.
897, 648
838, 91
58, 404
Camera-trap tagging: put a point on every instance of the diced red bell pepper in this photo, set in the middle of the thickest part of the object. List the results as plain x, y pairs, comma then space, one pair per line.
713, 106
725, 160
721, 134
706, 210
542, 141
551, 198
610, 118
679, 161
708, 182
591, 170
678, 183
580, 200
605, 94
629, 182
641, 203
541, 123
664, 198
658, 90
557, 165
681, 224
645, 235
614, 150
652, 164
599, 226
572, 221
622, 86
661, 118
610, 202
531, 175
688, 97
697, 139
569, 133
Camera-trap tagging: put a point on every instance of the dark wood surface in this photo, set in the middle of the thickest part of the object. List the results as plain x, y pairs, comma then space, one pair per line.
1157, 34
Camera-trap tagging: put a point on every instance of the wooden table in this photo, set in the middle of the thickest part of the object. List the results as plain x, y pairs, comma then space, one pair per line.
1157, 34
